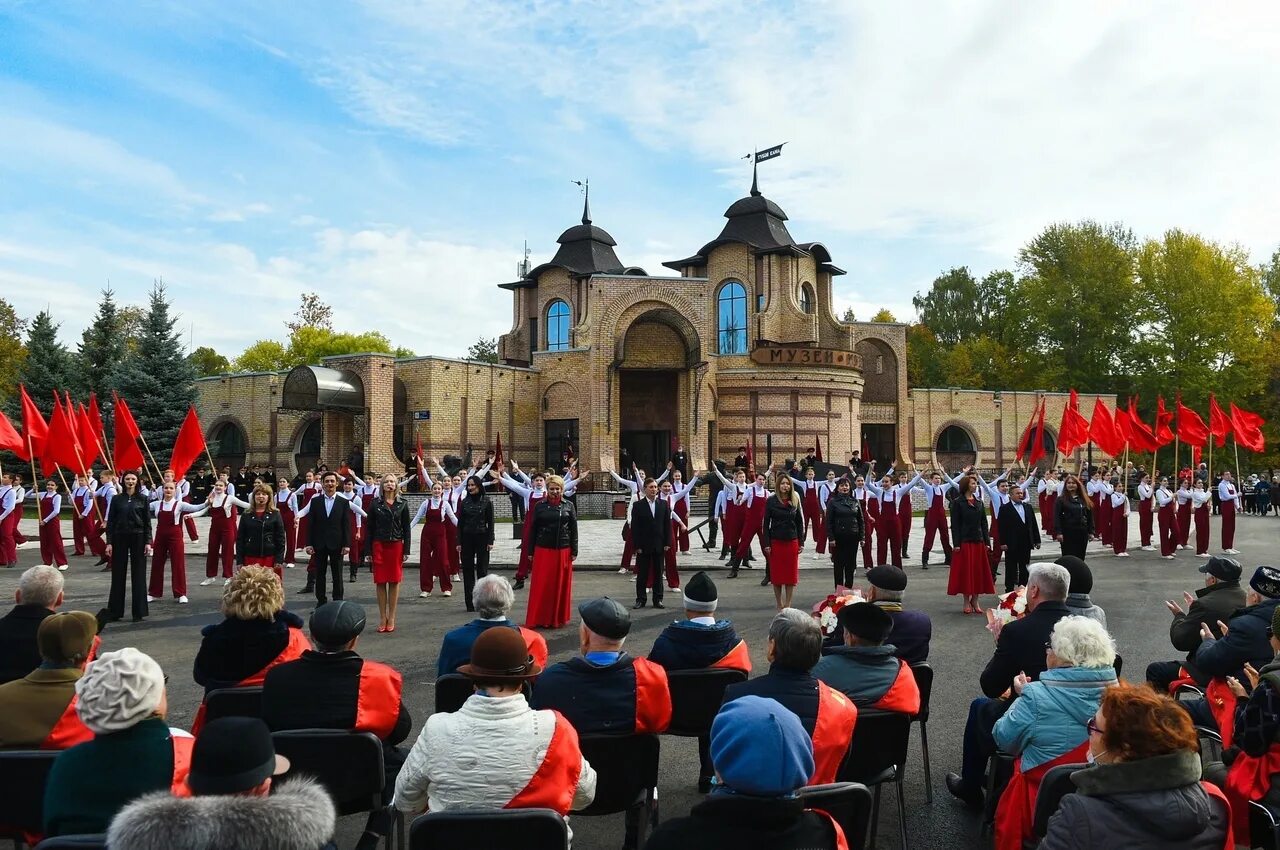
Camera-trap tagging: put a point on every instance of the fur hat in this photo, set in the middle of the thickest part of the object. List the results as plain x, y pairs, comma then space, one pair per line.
119, 690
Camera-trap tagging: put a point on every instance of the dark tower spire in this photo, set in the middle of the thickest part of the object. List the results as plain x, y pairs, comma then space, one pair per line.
755, 179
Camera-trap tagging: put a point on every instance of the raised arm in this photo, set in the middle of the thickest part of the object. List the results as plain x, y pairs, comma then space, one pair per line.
515, 486
627, 483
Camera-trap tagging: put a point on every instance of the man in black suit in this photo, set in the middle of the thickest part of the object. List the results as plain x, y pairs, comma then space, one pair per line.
328, 535
1019, 655
1019, 534
650, 538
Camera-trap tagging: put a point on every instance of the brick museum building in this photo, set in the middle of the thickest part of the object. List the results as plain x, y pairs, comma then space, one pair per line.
737, 344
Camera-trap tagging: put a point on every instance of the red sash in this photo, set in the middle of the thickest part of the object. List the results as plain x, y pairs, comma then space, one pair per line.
903, 695
297, 645
378, 699
1015, 814
842, 843
653, 698
831, 733
737, 659
68, 731
1249, 779
537, 646
1222, 704
182, 747
556, 780
1184, 678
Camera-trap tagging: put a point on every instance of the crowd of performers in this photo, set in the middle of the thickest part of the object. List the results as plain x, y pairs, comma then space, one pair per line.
340, 519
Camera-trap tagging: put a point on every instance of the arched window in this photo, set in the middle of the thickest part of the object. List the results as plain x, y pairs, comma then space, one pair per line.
731, 311
557, 326
227, 445
806, 298
954, 439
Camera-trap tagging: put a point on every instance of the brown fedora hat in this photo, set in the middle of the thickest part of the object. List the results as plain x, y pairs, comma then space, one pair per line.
500, 655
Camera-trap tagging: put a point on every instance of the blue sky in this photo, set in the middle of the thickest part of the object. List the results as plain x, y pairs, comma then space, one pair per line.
394, 156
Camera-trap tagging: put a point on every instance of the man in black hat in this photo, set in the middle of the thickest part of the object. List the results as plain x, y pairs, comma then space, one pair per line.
700, 640
332, 687
866, 669
1220, 597
912, 630
233, 804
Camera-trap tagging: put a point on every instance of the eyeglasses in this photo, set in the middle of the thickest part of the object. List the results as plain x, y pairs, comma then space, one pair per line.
1092, 726
1048, 646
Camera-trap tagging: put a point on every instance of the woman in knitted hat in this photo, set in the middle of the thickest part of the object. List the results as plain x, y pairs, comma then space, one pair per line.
121, 698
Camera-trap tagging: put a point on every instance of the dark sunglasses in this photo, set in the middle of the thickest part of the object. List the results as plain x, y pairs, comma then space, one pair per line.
1092, 726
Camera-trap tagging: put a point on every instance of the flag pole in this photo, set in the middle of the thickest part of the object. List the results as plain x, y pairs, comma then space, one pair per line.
31, 453
150, 455
75, 444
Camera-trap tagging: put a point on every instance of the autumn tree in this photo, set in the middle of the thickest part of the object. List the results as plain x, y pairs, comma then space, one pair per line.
883, 315
47, 366
208, 362
312, 313
12, 351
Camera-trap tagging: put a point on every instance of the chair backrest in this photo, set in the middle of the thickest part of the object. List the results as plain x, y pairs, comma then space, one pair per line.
233, 702
97, 841
626, 770
1055, 785
879, 743
25, 773
924, 681
1263, 826
1118, 665
500, 829
452, 690
696, 696
348, 764
848, 802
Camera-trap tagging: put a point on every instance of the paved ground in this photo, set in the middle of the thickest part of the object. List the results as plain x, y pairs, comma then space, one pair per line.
1130, 590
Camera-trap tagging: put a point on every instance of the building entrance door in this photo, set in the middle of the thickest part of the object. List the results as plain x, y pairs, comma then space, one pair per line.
649, 416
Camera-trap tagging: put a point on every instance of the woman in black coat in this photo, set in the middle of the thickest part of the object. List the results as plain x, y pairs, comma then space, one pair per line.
128, 547
260, 537
475, 536
1073, 518
782, 538
971, 542
390, 545
845, 529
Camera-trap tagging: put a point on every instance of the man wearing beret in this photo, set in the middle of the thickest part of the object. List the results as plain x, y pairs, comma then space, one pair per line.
866, 669
700, 640
1220, 597
37, 711
912, 630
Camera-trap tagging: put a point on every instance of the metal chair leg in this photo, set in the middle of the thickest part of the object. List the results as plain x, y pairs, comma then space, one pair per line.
875, 817
928, 775
902, 813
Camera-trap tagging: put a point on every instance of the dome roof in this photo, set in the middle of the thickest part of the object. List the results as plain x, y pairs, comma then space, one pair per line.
584, 250
754, 221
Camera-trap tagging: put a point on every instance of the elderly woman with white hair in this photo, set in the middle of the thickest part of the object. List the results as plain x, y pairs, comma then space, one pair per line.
1047, 724
492, 598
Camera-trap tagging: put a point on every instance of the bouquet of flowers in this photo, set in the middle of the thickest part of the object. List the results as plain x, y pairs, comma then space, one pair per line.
825, 611
1012, 606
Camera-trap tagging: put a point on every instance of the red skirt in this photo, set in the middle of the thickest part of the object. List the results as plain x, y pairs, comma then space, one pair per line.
970, 571
784, 562
269, 562
550, 588
388, 562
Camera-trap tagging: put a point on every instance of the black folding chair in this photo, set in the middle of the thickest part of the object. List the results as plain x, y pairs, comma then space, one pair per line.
626, 769
500, 829
233, 702
924, 681
23, 774
1055, 785
1264, 826
848, 802
696, 697
999, 772
97, 841
452, 690
878, 754
1187, 693
348, 764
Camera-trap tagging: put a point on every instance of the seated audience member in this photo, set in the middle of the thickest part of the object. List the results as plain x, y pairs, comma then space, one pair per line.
492, 598
1144, 788
1045, 726
762, 758
235, 804
39, 594
604, 689
1078, 602
828, 716
865, 669
700, 640
1220, 597
256, 634
1019, 650
496, 752
332, 687
38, 711
121, 699
912, 630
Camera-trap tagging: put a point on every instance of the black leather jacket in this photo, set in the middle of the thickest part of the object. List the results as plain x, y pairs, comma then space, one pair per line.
475, 517
389, 523
782, 521
555, 526
844, 517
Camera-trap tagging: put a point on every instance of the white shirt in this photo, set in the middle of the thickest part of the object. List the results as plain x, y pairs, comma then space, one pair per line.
1019, 510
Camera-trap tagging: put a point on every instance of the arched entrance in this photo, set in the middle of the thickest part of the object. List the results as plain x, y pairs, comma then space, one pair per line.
306, 454
657, 352
955, 448
227, 444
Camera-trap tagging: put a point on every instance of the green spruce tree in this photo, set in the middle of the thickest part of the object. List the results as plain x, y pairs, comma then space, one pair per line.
156, 378
100, 352
47, 366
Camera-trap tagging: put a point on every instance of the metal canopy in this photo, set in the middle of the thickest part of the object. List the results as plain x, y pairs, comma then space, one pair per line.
322, 388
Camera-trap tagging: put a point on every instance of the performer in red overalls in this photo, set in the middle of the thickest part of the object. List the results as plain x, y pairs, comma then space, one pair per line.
681, 493
935, 517
1200, 499
677, 526
169, 543
811, 507
735, 514
755, 498
287, 505
101, 501
356, 522
1167, 519
222, 532
52, 551
906, 508
1146, 500
302, 497
1183, 498
532, 494
1228, 503
78, 532
433, 561
869, 494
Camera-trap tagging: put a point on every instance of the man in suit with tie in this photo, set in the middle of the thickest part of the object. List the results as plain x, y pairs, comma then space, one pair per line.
651, 538
1018, 536
328, 535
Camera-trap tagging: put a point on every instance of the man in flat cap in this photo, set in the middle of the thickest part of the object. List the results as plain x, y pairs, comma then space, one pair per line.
700, 640
866, 669
912, 630
1220, 597
33, 709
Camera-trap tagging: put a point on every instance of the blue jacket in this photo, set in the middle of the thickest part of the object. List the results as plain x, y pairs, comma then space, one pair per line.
1246, 641
686, 645
911, 633
862, 673
1049, 719
455, 650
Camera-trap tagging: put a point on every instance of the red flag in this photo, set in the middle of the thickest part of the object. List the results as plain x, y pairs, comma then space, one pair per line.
1246, 427
1191, 428
188, 446
817, 443
34, 428
1195, 455
1141, 438
1219, 424
751, 460
866, 450
126, 449
497, 451
1163, 434
61, 448
95, 419
1102, 430
1037, 450
10, 439
1124, 428
88, 440
1074, 430
1025, 442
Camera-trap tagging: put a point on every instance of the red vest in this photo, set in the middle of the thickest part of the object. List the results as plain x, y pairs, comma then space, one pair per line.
1249, 779
737, 659
903, 695
68, 731
1015, 814
537, 646
1222, 704
653, 698
297, 645
378, 699
182, 747
556, 781
832, 732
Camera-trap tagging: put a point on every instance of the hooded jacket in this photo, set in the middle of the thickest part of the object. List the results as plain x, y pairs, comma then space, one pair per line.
1246, 641
1049, 719
685, 645
1150, 803
298, 815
